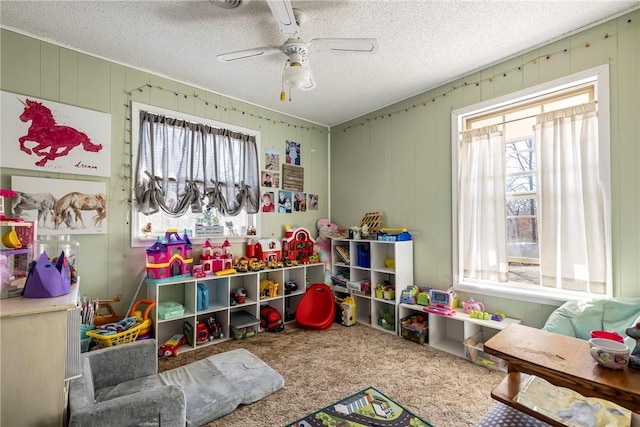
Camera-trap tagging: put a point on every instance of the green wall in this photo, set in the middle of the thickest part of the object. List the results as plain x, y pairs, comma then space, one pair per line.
398, 160
107, 263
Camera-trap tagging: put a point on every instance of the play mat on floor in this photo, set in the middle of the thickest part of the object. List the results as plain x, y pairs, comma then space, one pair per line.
368, 407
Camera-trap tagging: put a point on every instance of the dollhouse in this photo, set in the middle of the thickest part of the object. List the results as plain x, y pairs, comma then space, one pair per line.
169, 258
216, 258
297, 245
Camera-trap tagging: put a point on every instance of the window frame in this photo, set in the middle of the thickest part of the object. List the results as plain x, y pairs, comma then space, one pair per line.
137, 240
600, 77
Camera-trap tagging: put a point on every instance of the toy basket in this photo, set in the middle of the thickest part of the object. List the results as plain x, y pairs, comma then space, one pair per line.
123, 337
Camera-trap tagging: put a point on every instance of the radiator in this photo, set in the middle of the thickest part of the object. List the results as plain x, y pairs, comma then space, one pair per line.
72, 367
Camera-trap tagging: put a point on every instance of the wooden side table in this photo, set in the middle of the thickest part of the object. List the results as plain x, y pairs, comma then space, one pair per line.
563, 361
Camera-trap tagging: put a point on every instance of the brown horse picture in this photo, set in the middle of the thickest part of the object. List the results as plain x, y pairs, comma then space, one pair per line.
52, 140
74, 203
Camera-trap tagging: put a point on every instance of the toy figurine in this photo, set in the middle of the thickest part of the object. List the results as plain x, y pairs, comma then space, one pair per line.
634, 332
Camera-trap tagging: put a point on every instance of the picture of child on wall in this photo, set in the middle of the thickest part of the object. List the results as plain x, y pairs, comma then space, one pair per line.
271, 160
293, 153
284, 202
267, 202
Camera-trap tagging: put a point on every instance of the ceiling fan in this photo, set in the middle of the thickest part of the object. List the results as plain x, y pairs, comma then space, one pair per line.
297, 73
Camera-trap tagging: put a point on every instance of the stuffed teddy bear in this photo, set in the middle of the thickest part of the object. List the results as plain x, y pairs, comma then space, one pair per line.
326, 230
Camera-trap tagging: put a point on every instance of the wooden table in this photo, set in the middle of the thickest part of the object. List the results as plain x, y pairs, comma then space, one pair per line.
563, 361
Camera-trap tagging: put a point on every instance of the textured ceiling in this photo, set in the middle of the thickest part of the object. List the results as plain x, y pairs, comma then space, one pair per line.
422, 44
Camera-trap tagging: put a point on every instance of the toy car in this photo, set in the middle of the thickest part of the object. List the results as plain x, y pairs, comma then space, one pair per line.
172, 346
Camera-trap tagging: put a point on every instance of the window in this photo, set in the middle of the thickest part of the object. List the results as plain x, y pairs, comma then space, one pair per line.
531, 181
191, 174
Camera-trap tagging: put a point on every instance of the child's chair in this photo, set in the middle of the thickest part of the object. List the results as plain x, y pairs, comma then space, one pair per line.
317, 308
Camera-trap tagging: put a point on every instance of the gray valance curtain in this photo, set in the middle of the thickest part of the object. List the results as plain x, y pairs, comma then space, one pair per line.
183, 165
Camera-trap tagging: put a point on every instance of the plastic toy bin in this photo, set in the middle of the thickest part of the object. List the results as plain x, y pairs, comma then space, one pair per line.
415, 328
170, 310
474, 351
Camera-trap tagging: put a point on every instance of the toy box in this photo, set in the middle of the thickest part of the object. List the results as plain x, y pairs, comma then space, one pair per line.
170, 310
243, 325
474, 351
243, 332
415, 328
361, 287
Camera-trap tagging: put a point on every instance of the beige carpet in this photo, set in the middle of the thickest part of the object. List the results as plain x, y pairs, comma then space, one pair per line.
321, 367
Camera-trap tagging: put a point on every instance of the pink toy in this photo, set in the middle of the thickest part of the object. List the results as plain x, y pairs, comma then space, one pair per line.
326, 230
472, 304
169, 258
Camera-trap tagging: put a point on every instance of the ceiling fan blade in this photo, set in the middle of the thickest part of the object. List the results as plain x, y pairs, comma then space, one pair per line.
248, 53
344, 45
283, 12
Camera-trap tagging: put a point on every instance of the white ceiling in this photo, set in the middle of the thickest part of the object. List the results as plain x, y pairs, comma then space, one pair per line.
422, 44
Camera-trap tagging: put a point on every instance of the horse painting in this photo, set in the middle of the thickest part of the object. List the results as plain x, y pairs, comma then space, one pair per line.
42, 202
52, 140
76, 203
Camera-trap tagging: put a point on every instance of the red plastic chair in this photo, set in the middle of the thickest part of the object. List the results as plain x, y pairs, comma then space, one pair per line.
317, 308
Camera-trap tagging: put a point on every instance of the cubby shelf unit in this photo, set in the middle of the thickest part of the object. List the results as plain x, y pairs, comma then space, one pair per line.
220, 288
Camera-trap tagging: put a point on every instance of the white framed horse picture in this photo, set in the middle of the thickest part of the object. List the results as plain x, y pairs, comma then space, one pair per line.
60, 206
47, 136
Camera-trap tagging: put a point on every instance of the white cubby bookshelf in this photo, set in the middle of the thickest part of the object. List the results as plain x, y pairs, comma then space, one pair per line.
368, 306
184, 291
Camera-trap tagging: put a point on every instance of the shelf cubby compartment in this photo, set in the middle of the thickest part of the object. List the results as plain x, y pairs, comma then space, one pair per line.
360, 254
222, 318
276, 276
379, 311
382, 251
178, 292
248, 282
363, 309
218, 294
170, 328
290, 306
314, 273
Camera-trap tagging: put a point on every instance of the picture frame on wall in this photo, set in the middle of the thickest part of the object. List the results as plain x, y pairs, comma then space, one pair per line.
61, 206
293, 156
46, 136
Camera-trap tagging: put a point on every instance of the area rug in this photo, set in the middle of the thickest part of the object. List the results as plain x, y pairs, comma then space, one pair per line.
368, 407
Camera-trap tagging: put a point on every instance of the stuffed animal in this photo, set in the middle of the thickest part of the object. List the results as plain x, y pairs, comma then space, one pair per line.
326, 230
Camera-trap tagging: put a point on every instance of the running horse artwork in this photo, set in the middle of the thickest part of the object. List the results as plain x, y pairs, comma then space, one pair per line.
74, 203
53, 140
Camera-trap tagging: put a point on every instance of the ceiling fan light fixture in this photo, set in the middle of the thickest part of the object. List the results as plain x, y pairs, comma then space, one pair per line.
296, 76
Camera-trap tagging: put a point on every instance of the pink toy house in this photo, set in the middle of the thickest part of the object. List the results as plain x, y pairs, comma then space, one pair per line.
297, 245
216, 258
170, 258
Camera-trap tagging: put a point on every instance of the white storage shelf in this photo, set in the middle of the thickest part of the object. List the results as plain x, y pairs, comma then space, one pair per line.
369, 308
220, 289
449, 333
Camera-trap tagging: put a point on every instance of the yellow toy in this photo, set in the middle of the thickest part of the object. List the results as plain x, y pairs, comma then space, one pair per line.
268, 289
348, 307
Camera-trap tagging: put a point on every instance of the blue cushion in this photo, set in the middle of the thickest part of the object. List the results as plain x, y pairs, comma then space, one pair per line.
579, 318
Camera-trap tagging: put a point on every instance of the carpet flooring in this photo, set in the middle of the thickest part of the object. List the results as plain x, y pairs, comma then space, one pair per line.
321, 366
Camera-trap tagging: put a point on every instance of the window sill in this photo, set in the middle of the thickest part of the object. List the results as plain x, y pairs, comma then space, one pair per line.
556, 298
145, 242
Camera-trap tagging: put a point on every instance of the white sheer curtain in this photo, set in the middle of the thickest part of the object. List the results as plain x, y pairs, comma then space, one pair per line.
183, 165
482, 205
573, 237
